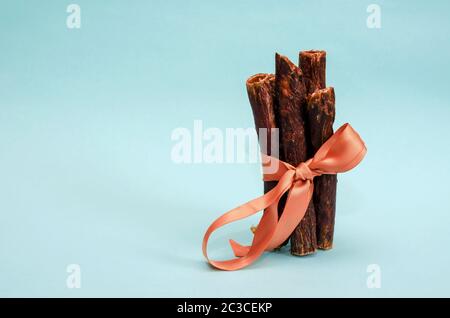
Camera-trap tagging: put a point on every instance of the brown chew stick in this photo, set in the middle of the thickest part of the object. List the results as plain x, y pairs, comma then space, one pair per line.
321, 113
313, 64
291, 103
261, 92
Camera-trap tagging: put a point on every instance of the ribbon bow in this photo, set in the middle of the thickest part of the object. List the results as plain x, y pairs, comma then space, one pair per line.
341, 152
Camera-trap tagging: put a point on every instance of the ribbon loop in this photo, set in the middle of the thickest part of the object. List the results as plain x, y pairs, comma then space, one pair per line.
342, 152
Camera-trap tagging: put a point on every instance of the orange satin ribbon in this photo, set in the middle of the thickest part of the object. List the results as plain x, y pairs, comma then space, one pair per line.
342, 152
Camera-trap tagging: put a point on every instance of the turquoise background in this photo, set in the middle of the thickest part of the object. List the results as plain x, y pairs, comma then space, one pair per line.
86, 118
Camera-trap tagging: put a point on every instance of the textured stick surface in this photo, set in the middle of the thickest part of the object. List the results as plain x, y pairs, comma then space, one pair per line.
261, 94
321, 114
313, 64
291, 103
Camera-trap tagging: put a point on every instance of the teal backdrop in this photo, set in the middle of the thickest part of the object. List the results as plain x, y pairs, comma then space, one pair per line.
86, 117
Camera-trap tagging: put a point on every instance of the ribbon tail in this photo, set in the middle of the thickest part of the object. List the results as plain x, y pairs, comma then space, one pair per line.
264, 232
269, 219
294, 211
238, 249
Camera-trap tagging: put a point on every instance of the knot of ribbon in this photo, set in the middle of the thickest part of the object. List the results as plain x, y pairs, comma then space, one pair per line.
302, 172
341, 152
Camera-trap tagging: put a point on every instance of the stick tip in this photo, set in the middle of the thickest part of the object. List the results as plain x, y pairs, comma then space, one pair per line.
313, 53
327, 91
259, 79
324, 99
283, 62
